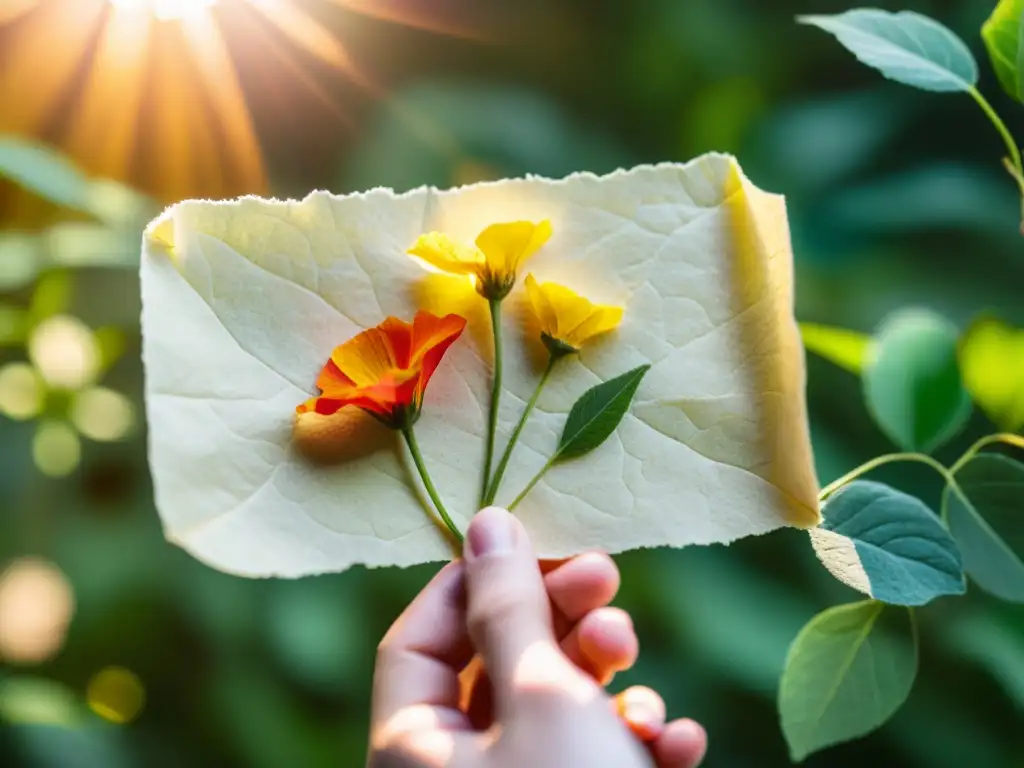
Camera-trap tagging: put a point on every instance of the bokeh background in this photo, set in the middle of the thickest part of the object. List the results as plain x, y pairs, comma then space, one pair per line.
118, 650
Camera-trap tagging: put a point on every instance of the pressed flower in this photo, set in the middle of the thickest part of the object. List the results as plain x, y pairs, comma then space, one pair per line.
568, 320
385, 370
499, 252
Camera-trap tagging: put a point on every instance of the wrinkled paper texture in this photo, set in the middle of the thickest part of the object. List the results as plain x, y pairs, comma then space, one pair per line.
243, 302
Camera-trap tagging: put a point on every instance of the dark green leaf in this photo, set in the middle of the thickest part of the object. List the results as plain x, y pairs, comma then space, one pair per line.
888, 545
597, 413
912, 384
985, 513
906, 47
850, 668
1001, 33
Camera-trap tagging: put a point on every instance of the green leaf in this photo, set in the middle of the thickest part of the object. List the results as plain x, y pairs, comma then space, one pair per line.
850, 668
847, 349
985, 513
906, 47
992, 363
597, 413
888, 545
41, 170
1001, 33
912, 385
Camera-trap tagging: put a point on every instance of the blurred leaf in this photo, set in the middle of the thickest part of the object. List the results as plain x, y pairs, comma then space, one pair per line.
992, 645
597, 413
850, 668
984, 513
52, 295
21, 258
1001, 33
37, 701
433, 132
42, 170
87, 747
941, 195
847, 349
992, 364
906, 47
78, 244
315, 627
888, 545
740, 621
13, 325
817, 142
912, 384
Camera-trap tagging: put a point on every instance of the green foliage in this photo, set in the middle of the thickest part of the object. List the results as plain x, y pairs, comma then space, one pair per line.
597, 413
42, 171
985, 510
847, 349
1002, 35
912, 384
892, 546
850, 668
992, 364
906, 47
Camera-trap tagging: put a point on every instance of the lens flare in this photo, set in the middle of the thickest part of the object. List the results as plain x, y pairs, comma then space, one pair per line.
36, 605
165, 9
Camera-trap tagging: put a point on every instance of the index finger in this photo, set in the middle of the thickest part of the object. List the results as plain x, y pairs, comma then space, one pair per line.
419, 659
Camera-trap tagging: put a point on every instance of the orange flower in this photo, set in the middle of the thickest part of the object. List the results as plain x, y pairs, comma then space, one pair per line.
385, 370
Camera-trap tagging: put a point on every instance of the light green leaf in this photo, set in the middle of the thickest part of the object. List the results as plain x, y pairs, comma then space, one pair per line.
906, 47
850, 668
992, 363
41, 170
597, 413
847, 349
985, 513
912, 385
1001, 33
888, 545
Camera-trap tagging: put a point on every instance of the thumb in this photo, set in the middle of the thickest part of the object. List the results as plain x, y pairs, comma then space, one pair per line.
508, 611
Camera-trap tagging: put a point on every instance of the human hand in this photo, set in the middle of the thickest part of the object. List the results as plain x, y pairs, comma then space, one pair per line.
548, 642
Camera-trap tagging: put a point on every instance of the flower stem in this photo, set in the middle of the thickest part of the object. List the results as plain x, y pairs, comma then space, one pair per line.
417, 457
499, 473
888, 458
536, 479
492, 424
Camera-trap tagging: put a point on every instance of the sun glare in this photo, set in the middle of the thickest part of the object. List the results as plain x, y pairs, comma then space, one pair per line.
165, 9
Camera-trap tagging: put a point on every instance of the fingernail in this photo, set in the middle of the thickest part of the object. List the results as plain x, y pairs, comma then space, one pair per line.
491, 531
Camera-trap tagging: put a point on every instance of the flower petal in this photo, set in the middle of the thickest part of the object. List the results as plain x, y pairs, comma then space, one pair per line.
600, 320
441, 252
506, 246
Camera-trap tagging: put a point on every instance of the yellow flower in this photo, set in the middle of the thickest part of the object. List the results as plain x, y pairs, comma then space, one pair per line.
568, 320
492, 264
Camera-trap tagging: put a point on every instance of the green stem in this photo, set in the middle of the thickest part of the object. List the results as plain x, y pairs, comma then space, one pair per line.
889, 458
1016, 169
492, 423
533, 482
970, 453
417, 457
499, 473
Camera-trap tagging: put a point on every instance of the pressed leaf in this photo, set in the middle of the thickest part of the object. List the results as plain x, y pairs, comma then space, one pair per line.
985, 513
850, 668
847, 349
1001, 33
906, 47
888, 545
992, 364
597, 413
243, 302
912, 384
